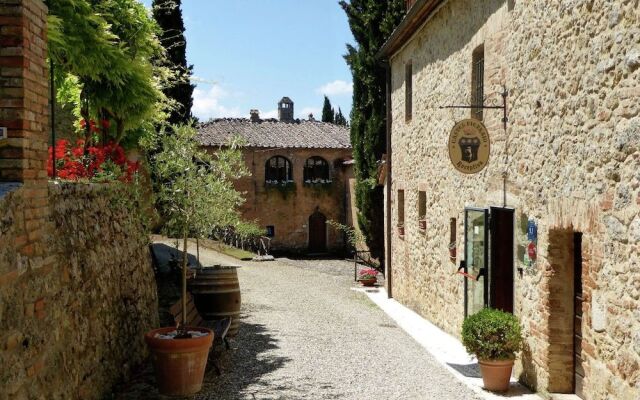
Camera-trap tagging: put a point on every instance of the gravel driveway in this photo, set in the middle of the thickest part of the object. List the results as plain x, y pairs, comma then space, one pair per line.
305, 334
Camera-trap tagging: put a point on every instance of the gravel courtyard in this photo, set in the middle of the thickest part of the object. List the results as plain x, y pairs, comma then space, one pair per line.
305, 334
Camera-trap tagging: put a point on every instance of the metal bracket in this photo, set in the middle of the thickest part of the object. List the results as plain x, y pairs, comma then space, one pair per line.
491, 106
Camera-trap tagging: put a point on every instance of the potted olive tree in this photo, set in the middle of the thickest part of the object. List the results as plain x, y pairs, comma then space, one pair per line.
195, 193
494, 337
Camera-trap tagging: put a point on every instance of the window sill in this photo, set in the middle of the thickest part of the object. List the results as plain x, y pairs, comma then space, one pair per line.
313, 184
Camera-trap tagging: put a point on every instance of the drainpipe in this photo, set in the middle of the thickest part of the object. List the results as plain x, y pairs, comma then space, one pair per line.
388, 272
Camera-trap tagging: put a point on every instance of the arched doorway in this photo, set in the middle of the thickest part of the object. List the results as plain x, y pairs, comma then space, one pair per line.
317, 232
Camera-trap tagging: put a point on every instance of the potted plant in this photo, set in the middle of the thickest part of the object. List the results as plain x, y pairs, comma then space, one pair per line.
401, 229
368, 277
494, 337
422, 222
195, 193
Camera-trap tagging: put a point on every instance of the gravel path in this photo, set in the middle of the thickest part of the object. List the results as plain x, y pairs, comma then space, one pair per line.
305, 334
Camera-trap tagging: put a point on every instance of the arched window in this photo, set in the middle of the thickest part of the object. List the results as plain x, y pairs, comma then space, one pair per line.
316, 170
278, 170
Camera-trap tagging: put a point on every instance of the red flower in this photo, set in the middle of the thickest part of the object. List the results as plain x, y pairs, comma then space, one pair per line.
105, 123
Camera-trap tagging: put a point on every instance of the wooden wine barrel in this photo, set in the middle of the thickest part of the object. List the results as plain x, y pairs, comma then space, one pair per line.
216, 294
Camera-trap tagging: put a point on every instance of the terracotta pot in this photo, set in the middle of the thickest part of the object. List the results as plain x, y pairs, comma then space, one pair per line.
179, 364
496, 374
368, 282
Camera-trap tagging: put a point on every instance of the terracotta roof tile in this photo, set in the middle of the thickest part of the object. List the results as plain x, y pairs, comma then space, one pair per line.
273, 133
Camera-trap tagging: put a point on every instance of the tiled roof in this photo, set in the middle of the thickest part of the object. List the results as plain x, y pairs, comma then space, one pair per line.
273, 133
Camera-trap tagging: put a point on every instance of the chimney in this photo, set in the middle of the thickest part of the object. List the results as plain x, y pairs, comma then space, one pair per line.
285, 110
255, 115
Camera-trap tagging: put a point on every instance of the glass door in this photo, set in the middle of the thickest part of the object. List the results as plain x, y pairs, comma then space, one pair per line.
476, 258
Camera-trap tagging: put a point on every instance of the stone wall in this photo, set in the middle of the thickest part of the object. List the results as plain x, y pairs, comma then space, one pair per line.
571, 155
73, 322
289, 209
77, 291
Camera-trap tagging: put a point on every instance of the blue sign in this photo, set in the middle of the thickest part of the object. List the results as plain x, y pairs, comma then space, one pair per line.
532, 231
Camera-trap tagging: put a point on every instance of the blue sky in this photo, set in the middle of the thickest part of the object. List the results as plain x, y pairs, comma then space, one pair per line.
250, 53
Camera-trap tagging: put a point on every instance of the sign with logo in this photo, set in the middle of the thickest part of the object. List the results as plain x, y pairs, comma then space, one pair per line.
469, 146
532, 231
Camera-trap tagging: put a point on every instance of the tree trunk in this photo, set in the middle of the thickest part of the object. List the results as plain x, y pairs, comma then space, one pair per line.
184, 282
198, 251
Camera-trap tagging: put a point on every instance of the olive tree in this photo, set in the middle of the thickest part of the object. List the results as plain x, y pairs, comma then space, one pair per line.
195, 189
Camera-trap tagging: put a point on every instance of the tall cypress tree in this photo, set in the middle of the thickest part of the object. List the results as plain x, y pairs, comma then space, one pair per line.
168, 14
339, 118
371, 22
327, 111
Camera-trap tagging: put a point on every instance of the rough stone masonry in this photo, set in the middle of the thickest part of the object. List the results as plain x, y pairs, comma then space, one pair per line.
571, 158
76, 285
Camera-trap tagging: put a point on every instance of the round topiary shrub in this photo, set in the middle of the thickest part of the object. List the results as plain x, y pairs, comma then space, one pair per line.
492, 335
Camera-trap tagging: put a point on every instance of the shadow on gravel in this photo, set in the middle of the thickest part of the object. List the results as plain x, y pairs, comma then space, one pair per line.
243, 368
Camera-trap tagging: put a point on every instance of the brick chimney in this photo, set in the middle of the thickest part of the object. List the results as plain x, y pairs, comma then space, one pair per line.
255, 115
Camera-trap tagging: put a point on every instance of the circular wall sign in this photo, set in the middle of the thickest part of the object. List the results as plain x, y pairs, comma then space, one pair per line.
469, 146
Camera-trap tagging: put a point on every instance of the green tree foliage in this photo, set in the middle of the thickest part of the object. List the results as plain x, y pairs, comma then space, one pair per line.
371, 22
169, 16
101, 50
195, 189
340, 119
327, 111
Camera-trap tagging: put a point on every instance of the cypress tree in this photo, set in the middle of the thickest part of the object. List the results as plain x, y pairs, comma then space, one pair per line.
371, 22
339, 118
327, 111
168, 14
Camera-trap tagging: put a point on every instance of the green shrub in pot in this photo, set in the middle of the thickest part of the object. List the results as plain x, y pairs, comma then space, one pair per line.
492, 335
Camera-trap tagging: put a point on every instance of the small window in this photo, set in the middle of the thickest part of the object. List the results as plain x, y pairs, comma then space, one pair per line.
271, 231
316, 170
422, 209
408, 87
278, 170
453, 223
400, 207
477, 83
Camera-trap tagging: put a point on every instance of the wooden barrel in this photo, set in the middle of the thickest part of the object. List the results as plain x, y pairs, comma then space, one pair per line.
216, 294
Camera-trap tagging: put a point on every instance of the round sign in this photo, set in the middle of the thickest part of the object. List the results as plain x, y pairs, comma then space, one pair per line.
531, 251
469, 146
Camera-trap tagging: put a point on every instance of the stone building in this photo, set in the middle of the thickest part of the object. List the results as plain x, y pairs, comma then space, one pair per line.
550, 227
299, 176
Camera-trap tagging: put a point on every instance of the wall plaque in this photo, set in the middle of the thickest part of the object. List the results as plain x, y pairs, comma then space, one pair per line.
469, 146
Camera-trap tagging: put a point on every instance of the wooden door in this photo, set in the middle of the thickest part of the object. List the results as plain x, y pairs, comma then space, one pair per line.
317, 233
578, 370
502, 255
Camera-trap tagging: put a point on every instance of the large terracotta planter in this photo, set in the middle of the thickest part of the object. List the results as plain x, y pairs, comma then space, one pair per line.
496, 374
179, 364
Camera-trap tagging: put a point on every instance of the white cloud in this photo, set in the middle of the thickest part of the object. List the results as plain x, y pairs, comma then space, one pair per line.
336, 88
207, 104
